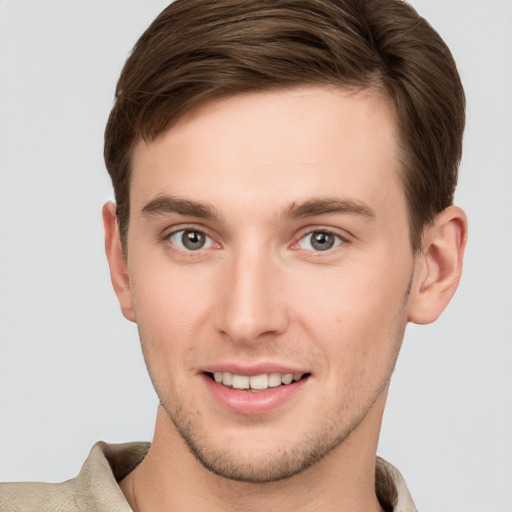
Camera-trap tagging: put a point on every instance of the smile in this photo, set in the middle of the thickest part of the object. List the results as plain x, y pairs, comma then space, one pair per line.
256, 382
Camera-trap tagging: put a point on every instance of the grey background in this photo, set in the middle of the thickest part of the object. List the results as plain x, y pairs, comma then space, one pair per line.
70, 366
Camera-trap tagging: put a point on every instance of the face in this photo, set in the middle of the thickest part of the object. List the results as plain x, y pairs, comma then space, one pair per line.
269, 265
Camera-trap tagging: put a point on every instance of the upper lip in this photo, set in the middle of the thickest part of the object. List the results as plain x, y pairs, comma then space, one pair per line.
252, 369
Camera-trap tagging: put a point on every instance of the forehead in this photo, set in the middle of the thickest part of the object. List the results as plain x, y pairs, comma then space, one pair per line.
275, 148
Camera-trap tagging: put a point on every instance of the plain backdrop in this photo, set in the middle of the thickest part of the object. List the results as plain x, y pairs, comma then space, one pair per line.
71, 371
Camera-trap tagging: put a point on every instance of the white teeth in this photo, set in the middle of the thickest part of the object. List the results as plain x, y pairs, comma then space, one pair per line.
259, 382
287, 378
240, 382
274, 380
256, 382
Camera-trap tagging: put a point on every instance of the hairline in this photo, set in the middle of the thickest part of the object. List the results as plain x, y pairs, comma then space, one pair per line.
374, 86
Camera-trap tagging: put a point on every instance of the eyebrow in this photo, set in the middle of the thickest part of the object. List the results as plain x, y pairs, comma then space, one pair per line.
166, 204
322, 206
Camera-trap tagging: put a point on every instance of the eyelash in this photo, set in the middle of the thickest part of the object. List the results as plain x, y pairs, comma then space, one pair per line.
183, 250
340, 240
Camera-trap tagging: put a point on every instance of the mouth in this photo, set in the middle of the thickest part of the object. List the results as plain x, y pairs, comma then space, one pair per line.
256, 383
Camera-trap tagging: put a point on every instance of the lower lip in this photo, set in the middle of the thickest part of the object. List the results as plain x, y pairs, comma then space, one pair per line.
252, 403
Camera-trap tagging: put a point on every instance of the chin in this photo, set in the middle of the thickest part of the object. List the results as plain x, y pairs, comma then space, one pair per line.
263, 462
265, 468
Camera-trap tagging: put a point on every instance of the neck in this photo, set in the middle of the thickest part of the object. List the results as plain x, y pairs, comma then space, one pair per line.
171, 478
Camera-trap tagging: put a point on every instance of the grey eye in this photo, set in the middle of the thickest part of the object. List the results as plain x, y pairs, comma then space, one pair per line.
191, 240
319, 241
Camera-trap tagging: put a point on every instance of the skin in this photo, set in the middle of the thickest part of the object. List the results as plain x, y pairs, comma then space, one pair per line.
270, 169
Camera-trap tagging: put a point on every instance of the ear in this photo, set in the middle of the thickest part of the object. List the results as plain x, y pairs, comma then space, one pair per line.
117, 261
439, 266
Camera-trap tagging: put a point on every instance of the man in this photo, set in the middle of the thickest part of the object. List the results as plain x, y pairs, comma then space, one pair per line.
284, 176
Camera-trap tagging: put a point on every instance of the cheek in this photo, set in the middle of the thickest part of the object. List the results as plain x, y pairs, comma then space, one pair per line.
169, 316
172, 307
356, 313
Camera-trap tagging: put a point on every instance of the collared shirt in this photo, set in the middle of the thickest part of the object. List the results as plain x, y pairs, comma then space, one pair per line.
96, 487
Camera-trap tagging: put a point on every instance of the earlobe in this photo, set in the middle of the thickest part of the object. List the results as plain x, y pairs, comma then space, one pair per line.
439, 266
117, 261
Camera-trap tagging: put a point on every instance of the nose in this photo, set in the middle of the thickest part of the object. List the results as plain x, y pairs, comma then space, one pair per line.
251, 303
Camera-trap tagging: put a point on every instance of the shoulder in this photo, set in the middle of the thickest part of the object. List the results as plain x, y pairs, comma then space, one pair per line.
95, 488
391, 488
32, 496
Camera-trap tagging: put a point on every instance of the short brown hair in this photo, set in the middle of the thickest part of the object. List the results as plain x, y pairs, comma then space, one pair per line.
199, 50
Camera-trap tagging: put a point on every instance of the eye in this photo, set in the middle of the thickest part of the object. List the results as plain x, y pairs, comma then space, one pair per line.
320, 241
191, 240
